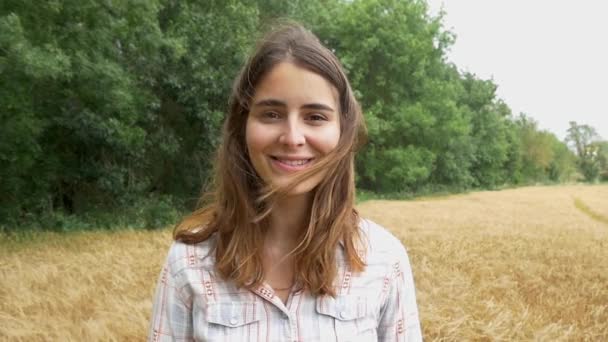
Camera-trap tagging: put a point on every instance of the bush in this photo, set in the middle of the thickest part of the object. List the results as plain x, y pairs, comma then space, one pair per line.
159, 212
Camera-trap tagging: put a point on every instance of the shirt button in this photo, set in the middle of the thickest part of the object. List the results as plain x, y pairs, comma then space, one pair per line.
233, 321
343, 314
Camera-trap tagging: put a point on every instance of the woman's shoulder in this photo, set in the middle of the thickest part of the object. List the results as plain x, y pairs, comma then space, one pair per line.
380, 241
183, 255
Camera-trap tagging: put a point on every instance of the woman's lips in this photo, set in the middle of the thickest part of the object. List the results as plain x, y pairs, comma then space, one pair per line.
291, 165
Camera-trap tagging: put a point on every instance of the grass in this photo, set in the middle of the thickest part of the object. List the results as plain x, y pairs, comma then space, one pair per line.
517, 264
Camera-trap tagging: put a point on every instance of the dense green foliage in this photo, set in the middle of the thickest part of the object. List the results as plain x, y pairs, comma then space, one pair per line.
111, 110
591, 152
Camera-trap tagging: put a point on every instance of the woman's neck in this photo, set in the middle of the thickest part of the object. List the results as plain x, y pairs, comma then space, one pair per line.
288, 218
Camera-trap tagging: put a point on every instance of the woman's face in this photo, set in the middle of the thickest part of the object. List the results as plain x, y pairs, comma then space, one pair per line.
293, 121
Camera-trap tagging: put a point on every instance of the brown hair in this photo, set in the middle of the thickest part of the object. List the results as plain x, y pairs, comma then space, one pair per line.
240, 201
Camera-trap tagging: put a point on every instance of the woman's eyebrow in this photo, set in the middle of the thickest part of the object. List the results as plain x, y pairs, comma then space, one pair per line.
318, 106
270, 103
279, 103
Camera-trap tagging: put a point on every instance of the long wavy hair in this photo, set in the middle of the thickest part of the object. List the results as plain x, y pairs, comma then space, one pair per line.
237, 208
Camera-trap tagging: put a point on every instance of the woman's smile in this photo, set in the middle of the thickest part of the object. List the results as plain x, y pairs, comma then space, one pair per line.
291, 164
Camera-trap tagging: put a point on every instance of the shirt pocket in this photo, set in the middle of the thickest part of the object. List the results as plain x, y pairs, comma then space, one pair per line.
231, 321
346, 318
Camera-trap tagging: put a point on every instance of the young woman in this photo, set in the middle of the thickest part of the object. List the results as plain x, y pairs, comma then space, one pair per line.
280, 253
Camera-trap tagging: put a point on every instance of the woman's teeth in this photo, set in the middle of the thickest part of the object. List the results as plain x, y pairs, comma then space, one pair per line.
294, 162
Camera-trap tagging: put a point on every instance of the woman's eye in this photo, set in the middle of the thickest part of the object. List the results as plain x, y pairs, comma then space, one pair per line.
271, 115
317, 117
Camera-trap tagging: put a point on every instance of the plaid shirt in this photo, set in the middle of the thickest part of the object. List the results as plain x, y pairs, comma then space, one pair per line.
379, 304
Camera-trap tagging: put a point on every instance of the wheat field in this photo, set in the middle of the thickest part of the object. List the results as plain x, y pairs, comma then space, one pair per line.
511, 265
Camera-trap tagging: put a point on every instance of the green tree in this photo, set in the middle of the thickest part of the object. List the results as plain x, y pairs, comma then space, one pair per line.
111, 104
489, 118
393, 52
602, 147
74, 65
536, 150
583, 140
208, 43
562, 167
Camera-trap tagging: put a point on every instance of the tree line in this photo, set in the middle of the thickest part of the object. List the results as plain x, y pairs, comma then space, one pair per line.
111, 110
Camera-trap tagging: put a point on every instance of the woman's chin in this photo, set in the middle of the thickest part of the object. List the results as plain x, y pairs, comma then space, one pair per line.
304, 188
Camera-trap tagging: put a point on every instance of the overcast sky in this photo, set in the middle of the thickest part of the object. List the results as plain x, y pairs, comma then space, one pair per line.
548, 58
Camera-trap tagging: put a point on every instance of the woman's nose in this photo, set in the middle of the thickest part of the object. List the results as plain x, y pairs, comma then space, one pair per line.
292, 134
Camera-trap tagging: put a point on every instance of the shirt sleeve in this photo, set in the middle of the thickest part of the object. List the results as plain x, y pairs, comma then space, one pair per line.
171, 314
399, 319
